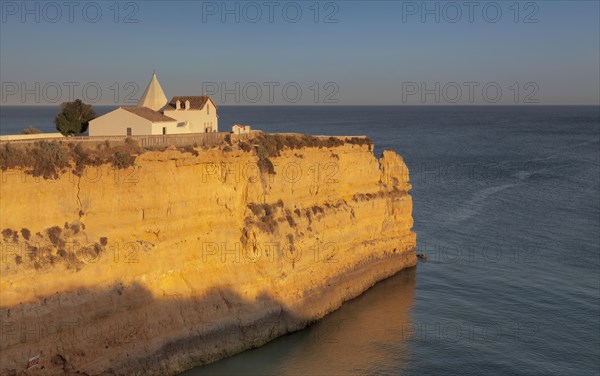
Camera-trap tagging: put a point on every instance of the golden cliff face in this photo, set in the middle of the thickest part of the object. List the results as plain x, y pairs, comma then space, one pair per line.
183, 259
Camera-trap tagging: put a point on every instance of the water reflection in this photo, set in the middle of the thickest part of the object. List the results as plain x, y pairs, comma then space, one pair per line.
368, 335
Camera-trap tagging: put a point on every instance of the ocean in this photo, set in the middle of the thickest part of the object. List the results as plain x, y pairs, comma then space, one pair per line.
507, 209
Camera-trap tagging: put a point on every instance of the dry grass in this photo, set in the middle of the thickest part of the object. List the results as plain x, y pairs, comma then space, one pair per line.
50, 158
269, 146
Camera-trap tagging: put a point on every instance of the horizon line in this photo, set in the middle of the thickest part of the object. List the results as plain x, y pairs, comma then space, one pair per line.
338, 105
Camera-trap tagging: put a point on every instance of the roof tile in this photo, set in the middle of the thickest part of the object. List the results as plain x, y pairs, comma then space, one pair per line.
196, 102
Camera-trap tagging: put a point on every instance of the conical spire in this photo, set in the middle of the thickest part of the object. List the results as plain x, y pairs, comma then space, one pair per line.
154, 96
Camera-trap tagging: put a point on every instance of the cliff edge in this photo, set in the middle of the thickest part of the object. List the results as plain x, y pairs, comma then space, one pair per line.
189, 256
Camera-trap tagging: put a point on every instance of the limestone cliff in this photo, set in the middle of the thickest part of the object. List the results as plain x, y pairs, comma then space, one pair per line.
185, 259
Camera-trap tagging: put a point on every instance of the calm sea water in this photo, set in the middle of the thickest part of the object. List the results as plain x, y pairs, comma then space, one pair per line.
14, 118
506, 206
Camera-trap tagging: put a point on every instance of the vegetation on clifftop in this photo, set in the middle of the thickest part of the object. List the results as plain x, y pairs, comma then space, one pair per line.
270, 146
50, 158
30, 130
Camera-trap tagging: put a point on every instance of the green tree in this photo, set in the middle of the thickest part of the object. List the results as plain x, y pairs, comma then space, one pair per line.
74, 117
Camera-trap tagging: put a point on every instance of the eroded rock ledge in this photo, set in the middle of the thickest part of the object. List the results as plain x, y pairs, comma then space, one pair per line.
191, 256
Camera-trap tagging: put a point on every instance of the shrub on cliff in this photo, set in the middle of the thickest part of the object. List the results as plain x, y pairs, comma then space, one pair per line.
189, 149
245, 146
7, 233
14, 157
266, 166
55, 236
270, 145
74, 228
361, 141
30, 130
82, 158
290, 219
43, 159
155, 148
265, 213
256, 209
49, 159
333, 142
122, 160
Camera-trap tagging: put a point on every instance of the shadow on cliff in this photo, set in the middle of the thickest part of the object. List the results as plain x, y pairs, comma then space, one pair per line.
127, 330
367, 335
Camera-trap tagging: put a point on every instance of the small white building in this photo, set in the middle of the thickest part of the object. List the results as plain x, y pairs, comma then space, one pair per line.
155, 115
240, 129
130, 121
198, 114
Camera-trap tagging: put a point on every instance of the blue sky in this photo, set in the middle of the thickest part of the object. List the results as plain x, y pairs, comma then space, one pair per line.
349, 52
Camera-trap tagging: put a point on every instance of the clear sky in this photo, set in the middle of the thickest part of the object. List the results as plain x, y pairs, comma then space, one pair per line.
303, 52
